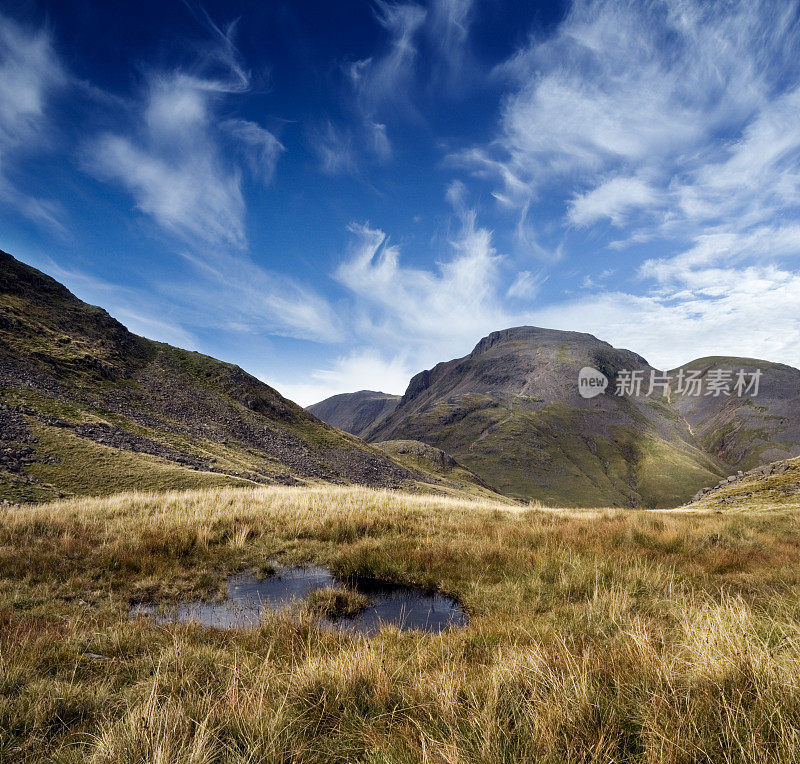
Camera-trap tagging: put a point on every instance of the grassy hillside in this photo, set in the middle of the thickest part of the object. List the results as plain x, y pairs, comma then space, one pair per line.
600, 635
420, 456
87, 408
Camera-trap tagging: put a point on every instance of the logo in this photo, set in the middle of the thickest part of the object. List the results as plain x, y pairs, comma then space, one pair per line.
688, 382
591, 382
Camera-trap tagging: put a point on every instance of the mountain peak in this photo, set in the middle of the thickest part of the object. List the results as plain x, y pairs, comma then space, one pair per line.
533, 334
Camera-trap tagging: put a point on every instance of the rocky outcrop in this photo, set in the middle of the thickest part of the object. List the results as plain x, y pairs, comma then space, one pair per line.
762, 471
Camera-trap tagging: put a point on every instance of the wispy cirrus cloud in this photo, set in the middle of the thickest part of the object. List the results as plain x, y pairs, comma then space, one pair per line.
30, 74
171, 162
385, 79
259, 147
189, 193
236, 294
172, 156
183, 161
335, 149
376, 86
425, 55
419, 306
611, 200
626, 84
448, 32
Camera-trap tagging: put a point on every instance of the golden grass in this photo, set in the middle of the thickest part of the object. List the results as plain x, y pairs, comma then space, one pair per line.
595, 636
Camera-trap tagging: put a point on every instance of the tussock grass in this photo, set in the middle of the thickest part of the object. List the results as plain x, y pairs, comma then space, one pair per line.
594, 636
336, 601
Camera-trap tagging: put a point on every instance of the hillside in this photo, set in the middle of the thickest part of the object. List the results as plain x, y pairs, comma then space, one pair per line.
745, 432
355, 412
87, 407
420, 456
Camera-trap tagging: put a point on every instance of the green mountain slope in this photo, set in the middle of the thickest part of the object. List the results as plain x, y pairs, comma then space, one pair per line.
420, 456
86, 407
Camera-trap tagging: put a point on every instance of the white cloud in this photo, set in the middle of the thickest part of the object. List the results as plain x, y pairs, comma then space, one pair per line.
650, 105
634, 83
30, 73
526, 286
190, 193
756, 176
171, 155
260, 147
380, 144
236, 294
423, 55
364, 369
379, 84
448, 32
226, 293
335, 150
728, 247
612, 200
385, 79
749, 312
419, 306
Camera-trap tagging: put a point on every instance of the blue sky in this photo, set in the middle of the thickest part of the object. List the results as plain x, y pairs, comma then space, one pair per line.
337, 195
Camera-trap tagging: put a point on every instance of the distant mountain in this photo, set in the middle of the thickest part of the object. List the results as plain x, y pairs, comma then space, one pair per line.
87, 407
511, 412
355, 412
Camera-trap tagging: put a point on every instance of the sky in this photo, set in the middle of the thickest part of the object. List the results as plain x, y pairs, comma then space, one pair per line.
336, 196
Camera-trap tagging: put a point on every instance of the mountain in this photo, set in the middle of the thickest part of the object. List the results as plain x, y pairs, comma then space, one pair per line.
87, 407
355, 412
511, 413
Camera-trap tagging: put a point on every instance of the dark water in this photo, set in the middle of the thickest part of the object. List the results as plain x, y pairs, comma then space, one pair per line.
405, 607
